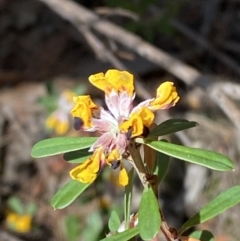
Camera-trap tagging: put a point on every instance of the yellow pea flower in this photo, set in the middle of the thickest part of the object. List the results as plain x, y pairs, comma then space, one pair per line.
59, 119
167, 97
19, 223
117, 125
87, 172
83, 109
137, 121
116, 80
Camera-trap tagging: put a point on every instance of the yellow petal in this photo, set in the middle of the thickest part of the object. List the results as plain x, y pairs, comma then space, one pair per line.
82, 173
87, 177
87, 171
75, 172
123, 176
62, 127
87, 100
166, 95
11, 218
99, 81
114, 155
83, 109
120, 81
51, 122
24, 223
146, 115
96, 159
116, 80
135, 123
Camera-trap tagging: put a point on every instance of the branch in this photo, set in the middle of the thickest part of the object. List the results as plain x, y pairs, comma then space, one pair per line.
76, 14
203, 43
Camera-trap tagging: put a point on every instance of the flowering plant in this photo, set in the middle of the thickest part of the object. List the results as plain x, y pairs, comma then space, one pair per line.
58, 106
58, 120
123, 130
19, 217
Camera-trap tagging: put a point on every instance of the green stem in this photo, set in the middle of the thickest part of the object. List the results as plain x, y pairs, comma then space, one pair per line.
128, 199
138, 163
141, 171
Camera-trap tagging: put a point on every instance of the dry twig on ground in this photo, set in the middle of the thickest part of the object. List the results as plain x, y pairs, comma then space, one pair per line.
80, 16
203, 43
76, 14
4, 236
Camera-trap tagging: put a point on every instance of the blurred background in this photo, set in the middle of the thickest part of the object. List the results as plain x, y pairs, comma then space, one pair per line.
48, 48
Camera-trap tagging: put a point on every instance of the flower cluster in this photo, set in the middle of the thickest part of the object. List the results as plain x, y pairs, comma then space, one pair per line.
119, 124
59, 119
20, 223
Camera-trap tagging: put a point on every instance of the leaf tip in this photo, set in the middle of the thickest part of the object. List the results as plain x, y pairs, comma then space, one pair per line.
33, 154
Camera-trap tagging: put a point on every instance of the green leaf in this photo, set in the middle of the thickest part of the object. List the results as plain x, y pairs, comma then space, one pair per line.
128, 197
50, 103
94, 226
31, 209
203, 235
51, 88
114, 222
77, 156
54, 146
149, 216
171, 126
72, 227
124, 236
225, 200
80, 89
15, 204
68, 193
161, 166
210, 159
